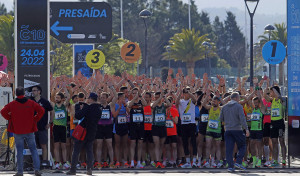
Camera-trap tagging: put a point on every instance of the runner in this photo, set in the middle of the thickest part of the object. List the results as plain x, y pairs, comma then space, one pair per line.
277, 125
159, 130
119, 112
148, 145
136, 126
60, 129
171, 140
213, 134
186, 108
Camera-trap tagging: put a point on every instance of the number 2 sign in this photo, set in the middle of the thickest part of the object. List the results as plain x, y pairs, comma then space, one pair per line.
130, 52
274, 52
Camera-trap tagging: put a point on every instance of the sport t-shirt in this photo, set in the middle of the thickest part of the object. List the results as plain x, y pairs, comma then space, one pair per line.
267, 115
60, 116
171, 126
187, 115
148, 118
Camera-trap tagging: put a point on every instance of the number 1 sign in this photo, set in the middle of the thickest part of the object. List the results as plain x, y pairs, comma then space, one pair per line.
274, 52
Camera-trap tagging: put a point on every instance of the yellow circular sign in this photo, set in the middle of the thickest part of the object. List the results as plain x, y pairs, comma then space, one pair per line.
130, 52
95, 59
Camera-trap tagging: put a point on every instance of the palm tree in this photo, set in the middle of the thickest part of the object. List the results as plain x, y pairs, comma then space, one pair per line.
280, 34
7, 39
187, 47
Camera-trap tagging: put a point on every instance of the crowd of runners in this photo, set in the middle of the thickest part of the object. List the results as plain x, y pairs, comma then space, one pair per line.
148, 123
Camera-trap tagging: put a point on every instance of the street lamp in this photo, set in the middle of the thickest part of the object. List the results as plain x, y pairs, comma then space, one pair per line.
272, 68
251, 3
256, 47
168, 48
207, 45
145, 14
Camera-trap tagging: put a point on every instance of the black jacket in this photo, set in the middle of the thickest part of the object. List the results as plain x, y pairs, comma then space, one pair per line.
91, 114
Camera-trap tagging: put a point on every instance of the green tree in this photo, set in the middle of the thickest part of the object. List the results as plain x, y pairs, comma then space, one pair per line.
187, 47
7, 39
61, 62
3, 10
280, 34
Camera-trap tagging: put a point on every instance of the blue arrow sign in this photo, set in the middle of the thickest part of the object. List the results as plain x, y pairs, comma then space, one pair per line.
55, 28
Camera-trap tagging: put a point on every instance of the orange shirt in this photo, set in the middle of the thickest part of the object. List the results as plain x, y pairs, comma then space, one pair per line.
148, 118
72, 125
171, 126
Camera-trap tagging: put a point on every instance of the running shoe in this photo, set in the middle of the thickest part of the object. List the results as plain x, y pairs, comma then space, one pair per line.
186, 165
169, 165
83, 165
126, 165
58, 165
66, 166
158, 164
258, 165
245, 164
117, 165
220, 164
174, 165
194, 165
267, 164
78, 166
230, 170
105, 164
213, 165
153, 164
199, 164
144, 163
206, 164
239, 166
111, 166
139, 166
95, 164
132, 165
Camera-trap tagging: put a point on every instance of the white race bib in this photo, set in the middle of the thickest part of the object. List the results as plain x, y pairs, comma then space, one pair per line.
137, 118
204, 118
60, 114
249, 117
169, 124
105, 115
268, 111
214, 124
186, 117
160, 117
148, 118
275, 112
122, 120
255, 116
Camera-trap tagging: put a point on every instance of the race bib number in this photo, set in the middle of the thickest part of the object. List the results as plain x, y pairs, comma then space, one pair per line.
214, 124
148, 119
255, 116
249, 117
169, 124
186, 117
204, 118
60, 115
122, 120
105, 115
268, 111
160, 117
137, 118
275, 112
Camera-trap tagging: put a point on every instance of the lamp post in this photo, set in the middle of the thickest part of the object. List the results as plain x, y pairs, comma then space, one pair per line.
189, 14
168, 48
100, 47
251, 3
272, 68
255, 57
144, 14
207, 46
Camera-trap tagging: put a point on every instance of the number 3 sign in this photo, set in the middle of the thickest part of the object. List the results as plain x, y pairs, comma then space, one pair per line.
95, 59
130, 52
274, 52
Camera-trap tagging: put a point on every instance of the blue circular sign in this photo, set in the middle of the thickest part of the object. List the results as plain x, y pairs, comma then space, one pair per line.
274, 52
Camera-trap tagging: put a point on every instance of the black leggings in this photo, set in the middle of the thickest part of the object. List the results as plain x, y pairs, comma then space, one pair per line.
189, 132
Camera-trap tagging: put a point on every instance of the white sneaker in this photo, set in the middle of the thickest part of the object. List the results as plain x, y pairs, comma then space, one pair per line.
194, 165
132, 165
139, 166
206, 165
199, 164
78, 166
267, 164
213, 165
186, 165
66, 166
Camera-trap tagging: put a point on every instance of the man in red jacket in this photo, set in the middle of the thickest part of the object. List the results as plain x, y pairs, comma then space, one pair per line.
22, 115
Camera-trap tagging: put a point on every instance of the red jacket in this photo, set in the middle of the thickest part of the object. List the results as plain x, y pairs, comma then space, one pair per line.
22, 115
